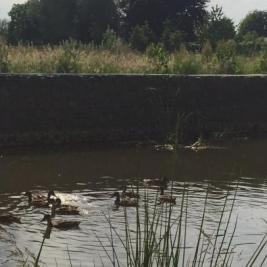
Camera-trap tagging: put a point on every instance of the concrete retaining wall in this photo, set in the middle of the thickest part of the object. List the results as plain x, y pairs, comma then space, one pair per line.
45, 109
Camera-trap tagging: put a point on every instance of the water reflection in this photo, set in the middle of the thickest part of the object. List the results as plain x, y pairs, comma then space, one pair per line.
87, 178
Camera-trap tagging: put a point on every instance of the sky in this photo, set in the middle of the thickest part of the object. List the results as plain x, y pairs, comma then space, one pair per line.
235, 9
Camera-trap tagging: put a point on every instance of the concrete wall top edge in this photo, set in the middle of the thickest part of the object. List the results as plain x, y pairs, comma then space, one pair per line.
87, 75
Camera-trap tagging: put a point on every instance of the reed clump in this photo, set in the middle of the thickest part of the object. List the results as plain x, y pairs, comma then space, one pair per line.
159, 236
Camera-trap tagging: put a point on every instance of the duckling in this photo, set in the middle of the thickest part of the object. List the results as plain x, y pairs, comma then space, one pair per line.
166, 198
124, 202
9, 219
163, 181
60, 224
40, 201
58, 208
131, 194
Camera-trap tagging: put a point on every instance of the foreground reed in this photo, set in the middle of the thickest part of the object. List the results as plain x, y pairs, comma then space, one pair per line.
159, 236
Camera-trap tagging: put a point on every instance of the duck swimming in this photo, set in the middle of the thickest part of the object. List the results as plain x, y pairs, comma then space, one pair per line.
58, 208
166, 198
124, 201
40, 201
9, 219
131, 194
60, 224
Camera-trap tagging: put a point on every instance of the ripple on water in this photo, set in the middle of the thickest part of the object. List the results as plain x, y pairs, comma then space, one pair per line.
19, 241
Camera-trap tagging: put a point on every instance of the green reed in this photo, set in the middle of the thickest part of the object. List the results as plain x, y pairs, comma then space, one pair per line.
45, 236
159, 235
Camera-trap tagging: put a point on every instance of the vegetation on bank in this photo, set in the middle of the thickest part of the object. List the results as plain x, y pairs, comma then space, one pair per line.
114, 56
130, 36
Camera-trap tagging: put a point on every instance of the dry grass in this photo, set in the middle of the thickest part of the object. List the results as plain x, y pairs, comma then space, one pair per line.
79, 58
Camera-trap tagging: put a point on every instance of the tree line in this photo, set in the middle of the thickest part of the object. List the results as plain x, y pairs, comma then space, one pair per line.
140, 22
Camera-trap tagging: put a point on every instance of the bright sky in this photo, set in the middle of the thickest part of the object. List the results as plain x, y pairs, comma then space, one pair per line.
235, 9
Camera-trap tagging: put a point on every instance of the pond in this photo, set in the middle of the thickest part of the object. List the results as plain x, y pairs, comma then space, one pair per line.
86, 177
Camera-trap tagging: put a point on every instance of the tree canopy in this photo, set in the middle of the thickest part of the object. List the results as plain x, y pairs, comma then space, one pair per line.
255, 21
51, 21
184, 15
218, 26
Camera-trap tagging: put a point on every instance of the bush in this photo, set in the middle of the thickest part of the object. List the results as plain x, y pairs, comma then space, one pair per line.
226, 55
184, 63
141, 37
68, 60
109, 39
189, 66
158, 56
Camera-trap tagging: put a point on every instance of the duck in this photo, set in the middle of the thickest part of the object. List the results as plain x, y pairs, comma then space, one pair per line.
124, 201
166, 198
163, 181
9, 219
60, 224
131, 194
58, 208
40, 200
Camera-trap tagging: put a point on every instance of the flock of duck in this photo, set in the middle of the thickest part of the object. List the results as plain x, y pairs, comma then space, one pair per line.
124, 199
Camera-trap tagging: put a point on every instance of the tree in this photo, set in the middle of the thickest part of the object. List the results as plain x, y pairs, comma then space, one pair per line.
255, 21
25, 24
184, 15
3, 29
53, 21
57, 20
219, 27
141, 36
171, 37
94, 17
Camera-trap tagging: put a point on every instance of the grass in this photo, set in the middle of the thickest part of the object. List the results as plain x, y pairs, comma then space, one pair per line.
72, 57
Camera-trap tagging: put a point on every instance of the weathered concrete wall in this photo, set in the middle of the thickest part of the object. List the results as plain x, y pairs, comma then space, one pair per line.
41, 109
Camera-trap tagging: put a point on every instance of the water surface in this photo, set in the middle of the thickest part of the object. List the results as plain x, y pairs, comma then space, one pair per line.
87, 177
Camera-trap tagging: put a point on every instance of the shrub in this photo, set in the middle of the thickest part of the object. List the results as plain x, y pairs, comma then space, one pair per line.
109, 39
226, 55
158, 56
68, 60
187, 65
141, 37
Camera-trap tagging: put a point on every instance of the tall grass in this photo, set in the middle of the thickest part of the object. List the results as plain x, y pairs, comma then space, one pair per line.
113, 56
45, 236
159, 236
